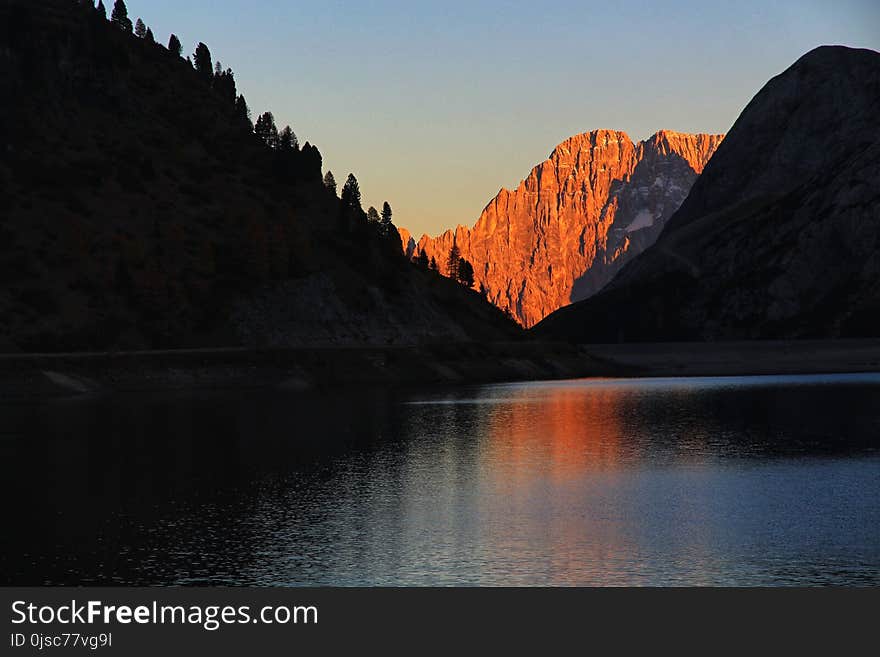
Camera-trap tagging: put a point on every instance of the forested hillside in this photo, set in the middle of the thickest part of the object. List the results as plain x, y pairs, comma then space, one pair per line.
140, 207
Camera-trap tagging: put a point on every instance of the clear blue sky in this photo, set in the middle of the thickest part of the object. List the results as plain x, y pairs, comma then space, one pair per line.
436, 105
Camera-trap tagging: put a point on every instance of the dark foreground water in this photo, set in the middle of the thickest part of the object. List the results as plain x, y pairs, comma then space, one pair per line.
754, 481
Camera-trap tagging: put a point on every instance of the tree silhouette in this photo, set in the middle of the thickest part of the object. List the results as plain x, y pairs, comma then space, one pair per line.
433, 265
465, 273
373, 216
120, 16
148, 37
330, 182
272, 140
265, 129
386, 215
174, 46
351, 194
140, 30
224, 83
243, 112
452, 262
310, 163
101, 9
287, 140
202, 59
422, 260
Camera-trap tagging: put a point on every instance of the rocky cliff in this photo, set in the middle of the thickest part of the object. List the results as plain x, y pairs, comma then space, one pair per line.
576, 219
407, 241
779, 237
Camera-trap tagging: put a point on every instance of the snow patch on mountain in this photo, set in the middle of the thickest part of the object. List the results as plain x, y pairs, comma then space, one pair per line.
643, 219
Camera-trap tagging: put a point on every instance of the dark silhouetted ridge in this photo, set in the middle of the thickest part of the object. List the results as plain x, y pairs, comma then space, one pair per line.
138, 209
778, 237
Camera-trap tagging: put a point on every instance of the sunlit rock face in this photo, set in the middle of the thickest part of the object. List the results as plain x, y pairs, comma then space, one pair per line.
407, 241
597, 201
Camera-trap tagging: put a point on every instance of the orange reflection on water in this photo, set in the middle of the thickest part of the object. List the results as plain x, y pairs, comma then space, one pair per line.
564, 430
560, 459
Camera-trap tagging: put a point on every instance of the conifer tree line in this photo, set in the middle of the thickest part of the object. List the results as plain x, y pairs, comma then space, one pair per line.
457, 267
221, 79
465, 273
120, 16
290, 159
352, 210
421, 259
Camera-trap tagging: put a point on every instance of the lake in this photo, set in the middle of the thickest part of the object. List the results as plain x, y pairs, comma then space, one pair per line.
679, 481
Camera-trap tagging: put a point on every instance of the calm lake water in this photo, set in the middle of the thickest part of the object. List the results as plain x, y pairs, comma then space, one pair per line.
694, 481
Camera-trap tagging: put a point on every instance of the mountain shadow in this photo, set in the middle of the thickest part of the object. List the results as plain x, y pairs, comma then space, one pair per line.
645, 200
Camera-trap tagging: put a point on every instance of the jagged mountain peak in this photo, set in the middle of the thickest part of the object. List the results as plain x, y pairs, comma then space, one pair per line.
576, 218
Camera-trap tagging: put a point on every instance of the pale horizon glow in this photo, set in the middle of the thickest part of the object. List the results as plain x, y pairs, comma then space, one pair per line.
435, 106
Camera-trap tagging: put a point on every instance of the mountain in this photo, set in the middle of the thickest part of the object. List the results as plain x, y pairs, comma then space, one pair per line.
780, 235
576, 219
139, 209
406, 239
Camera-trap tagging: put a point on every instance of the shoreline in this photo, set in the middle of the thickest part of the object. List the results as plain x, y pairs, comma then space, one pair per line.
742, 358
30, 376
292, 369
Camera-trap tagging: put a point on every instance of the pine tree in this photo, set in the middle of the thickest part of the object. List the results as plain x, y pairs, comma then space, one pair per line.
373, 216
202, 59
272, 141
386, 215
243, 112
422, 259
148, 37
265, 129
465, 273
452, 262
120, 16
433, 265
287, 140
140, 30
224, 83
102, 10
330, 182
309, 163
351, 194
174, 46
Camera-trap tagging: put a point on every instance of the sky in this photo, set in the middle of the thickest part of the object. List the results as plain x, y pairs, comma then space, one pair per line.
435, 106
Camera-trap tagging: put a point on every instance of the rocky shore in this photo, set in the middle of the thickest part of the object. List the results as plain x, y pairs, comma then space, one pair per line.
306, 368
